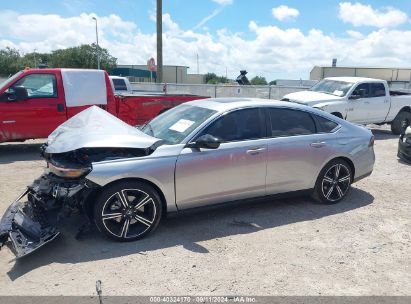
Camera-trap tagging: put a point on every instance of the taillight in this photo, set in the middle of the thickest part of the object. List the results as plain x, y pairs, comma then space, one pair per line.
371, 143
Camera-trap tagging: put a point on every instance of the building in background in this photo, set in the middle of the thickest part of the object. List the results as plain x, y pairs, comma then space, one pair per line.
134, 74
171, 74
398, 78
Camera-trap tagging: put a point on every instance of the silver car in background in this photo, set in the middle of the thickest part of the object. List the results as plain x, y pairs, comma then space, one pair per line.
200, 153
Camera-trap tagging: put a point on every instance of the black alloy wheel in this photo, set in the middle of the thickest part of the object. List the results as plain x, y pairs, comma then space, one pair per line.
333, 182
127, 211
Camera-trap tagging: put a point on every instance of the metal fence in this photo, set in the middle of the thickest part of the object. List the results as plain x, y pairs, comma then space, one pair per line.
267, 92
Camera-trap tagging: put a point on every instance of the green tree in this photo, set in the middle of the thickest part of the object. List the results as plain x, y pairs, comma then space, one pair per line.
10, 61
273, 82
258, 80
212, 78
34, 59
83, 56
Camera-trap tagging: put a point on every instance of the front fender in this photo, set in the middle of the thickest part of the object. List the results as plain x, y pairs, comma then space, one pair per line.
158, 171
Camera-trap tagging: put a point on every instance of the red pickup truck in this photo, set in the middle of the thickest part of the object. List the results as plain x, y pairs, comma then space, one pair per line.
34, 102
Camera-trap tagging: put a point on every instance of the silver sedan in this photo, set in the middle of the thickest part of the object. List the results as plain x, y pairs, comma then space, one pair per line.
199, 153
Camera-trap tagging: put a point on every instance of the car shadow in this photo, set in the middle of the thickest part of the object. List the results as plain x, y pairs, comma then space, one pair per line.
15, 152
188, 230
382, 134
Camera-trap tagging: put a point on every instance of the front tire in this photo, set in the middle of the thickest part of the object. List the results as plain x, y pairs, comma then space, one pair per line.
333, 182
402, 119
127, 211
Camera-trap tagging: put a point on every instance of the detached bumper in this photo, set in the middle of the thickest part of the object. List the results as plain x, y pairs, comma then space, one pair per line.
26, 226
404, 149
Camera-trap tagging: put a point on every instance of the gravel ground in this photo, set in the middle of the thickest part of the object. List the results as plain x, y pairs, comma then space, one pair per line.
360, 246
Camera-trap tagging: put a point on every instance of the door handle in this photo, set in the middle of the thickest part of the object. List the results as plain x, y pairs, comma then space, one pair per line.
255, 151
318, 144
60, 107
8, 121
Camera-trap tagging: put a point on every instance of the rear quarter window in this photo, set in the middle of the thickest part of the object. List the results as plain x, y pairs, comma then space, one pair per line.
325, 125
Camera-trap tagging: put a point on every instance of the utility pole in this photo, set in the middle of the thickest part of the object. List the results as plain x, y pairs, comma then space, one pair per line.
35, 61
159, 41
98, 48
198, 65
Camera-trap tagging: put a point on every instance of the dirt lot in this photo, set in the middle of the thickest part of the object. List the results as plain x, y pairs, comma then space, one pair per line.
285, 247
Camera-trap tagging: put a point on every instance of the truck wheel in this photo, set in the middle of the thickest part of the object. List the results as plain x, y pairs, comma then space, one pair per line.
127, 211
401, 120
333, 182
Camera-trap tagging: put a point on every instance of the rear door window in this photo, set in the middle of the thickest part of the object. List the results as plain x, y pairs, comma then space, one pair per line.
288, 122
377, 90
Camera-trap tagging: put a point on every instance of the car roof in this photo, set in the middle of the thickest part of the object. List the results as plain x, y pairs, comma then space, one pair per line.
354, 79
231, 103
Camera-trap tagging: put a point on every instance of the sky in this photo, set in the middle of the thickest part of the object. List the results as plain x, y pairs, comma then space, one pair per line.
270, 38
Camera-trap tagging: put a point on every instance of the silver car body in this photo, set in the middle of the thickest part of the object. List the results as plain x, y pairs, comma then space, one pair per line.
190, 178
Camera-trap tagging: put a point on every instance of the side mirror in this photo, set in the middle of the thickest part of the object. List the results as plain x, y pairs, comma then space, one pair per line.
206, 141
21, 93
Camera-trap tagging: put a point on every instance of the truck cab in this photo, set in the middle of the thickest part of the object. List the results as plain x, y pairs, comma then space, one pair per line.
368, 102
34, 102
359, 100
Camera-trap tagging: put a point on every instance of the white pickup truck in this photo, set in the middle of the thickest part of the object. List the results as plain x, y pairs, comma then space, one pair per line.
120, 84
359, 100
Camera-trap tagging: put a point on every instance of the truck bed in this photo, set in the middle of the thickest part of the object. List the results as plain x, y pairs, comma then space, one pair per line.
136, 109
400, 93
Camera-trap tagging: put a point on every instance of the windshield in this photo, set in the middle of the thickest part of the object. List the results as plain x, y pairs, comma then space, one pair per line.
332, 87
177, 123
9, 80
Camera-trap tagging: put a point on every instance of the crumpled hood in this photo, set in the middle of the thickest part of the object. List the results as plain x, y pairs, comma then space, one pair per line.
96, 128
311, 97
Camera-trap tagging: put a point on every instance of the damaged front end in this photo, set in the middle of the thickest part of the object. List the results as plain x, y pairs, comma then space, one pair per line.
90, 137
32, 220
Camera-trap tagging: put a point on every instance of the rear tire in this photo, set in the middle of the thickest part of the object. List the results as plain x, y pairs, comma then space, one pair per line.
333, 182
127, 211
402, 118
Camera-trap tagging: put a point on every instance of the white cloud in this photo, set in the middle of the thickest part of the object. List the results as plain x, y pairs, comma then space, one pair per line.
209, 17
354, 34
224, 2
283, 12
360, 14
269, 51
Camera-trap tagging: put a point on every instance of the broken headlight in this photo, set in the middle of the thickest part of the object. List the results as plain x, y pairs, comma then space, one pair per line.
68, 172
